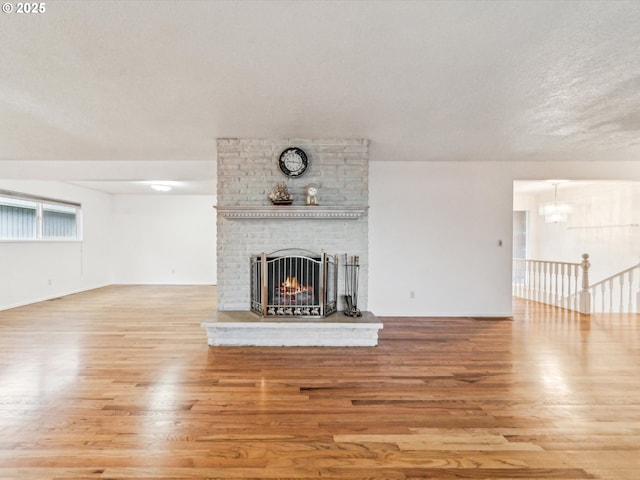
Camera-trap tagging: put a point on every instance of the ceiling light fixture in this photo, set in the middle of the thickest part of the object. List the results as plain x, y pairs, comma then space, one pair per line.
161, 187
555, 212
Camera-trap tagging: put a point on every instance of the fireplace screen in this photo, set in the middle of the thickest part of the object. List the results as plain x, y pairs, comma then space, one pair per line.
294, 283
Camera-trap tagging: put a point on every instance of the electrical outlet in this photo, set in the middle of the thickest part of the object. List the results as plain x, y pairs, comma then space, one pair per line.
412, 294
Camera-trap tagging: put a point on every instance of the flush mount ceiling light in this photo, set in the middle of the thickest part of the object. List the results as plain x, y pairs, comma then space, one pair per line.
555, 212
161, 187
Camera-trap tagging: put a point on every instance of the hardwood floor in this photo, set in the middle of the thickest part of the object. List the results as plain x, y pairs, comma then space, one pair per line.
119, 383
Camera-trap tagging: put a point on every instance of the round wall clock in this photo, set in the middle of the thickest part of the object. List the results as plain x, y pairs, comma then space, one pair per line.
293, 162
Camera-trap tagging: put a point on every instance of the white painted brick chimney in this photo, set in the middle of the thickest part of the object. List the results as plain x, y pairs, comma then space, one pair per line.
248, 171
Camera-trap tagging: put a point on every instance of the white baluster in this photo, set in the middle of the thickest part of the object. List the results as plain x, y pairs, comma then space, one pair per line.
529, 280
545, 289
621, 294
534, 280
541, 282
563, 297
550, 283
610, 284
559, 285
637, 309
554, 283
535, 266
576, 270
630, 310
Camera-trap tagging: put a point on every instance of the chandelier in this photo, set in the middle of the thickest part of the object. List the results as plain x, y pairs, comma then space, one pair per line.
555, 212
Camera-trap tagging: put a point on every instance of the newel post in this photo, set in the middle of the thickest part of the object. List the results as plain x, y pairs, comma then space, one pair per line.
585, 294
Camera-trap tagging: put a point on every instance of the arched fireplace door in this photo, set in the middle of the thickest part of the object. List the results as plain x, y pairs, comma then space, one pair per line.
294, 283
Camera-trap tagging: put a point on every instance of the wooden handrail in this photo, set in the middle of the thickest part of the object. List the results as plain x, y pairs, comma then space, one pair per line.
546, 261
612, 277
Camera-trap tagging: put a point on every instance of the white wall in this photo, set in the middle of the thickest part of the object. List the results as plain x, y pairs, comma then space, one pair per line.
35, 271
434, 228
605, 223
164, 239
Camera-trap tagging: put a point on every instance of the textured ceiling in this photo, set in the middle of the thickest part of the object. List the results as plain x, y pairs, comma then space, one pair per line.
159, 81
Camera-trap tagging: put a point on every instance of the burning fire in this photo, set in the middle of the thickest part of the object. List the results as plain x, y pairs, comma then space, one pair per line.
291, 286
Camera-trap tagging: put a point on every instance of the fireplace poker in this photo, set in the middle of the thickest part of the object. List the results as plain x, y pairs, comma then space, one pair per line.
351, 273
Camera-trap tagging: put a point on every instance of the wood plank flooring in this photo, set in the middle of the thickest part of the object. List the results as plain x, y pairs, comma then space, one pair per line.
118, 383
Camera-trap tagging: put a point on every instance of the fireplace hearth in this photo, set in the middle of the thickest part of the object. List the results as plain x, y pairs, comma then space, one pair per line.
294, 283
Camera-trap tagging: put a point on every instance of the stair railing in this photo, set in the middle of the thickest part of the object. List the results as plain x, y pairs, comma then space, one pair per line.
556, 283
619, 293
562, 284
545, 281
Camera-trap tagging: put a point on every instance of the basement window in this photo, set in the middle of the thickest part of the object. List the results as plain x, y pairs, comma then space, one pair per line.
30, 218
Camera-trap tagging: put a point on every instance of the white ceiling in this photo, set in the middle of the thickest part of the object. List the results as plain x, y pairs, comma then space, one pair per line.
150, 85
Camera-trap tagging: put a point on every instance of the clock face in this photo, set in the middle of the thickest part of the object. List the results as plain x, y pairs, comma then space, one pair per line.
312, 191
293, 162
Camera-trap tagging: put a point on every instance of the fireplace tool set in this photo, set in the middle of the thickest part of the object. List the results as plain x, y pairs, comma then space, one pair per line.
351, 273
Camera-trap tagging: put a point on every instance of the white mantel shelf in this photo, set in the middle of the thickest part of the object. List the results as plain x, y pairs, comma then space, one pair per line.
292, 212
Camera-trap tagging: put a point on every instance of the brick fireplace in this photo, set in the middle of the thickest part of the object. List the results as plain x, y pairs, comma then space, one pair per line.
248, 224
